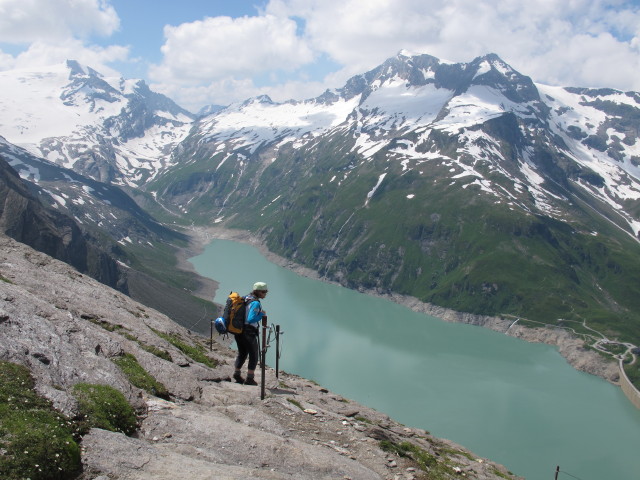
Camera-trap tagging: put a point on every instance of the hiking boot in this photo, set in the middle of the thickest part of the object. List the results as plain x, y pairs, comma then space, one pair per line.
250, 381
238, 378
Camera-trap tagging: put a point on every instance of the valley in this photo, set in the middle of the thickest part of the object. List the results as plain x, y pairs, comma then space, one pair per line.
574, 345
467, 187
465, 191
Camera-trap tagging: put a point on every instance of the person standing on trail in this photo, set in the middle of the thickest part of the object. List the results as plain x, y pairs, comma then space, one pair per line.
247, 341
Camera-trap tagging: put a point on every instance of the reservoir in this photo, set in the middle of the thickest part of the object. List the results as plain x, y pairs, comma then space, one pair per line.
513, 402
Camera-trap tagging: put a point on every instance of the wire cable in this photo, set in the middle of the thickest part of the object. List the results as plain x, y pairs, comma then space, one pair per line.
567, 473
200, 319
277, 336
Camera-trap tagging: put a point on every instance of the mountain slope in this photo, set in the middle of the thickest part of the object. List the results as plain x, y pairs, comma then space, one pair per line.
465, 185
99, 206
109, 129
99, 230
25, 219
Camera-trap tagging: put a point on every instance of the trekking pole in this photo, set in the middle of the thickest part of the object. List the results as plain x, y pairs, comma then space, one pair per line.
263, 356
211, 336
277, 351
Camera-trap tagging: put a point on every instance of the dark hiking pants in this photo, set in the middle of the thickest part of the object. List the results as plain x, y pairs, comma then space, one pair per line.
247, 343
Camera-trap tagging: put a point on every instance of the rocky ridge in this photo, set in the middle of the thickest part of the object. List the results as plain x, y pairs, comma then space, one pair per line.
67, 328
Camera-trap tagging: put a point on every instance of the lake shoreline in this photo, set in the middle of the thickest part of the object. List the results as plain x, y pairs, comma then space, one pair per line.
569, 346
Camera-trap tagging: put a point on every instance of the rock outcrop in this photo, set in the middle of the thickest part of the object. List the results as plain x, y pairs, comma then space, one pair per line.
67, 328
25, 219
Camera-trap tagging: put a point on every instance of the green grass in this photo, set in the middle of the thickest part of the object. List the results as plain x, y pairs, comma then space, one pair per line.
39, 443
425, 461
500, 474
160, 262
362, 419
158, 352
295, 402
102, 406
110, 327
196, 352
36, 441
633, 373
139, 377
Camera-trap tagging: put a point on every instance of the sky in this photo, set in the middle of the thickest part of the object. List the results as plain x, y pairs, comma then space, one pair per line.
201, 52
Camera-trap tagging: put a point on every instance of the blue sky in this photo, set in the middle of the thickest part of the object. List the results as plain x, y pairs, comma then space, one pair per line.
142, 21
201, 52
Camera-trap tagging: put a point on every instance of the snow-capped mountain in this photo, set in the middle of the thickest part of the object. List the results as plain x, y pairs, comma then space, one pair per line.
466, 185
110, 129
209, 110
27, 220
399, 110
95, 206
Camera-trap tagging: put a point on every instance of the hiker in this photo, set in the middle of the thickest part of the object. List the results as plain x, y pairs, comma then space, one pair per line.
247, 341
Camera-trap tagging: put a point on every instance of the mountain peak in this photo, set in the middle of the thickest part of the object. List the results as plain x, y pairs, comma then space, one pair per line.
264, 99
404, 53
78, 69
209, 110
415, 69
493, 71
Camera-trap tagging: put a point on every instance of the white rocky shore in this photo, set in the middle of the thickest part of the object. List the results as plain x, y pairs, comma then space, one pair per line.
67, 328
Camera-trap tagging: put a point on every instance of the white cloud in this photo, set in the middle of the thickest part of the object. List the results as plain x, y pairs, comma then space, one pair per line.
230, 90
587, 61
560, 42
223, 47
43, 53
26, 21
556, 41
221, 92
53, 31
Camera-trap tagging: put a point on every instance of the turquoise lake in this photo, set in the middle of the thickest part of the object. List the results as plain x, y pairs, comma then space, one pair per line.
513, 402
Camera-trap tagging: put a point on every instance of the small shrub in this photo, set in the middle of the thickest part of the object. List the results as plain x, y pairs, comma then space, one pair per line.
102, 406
362, 419
196, 352
158, 352
295, 402
406, 449
108, 326
36, 441
139, 377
